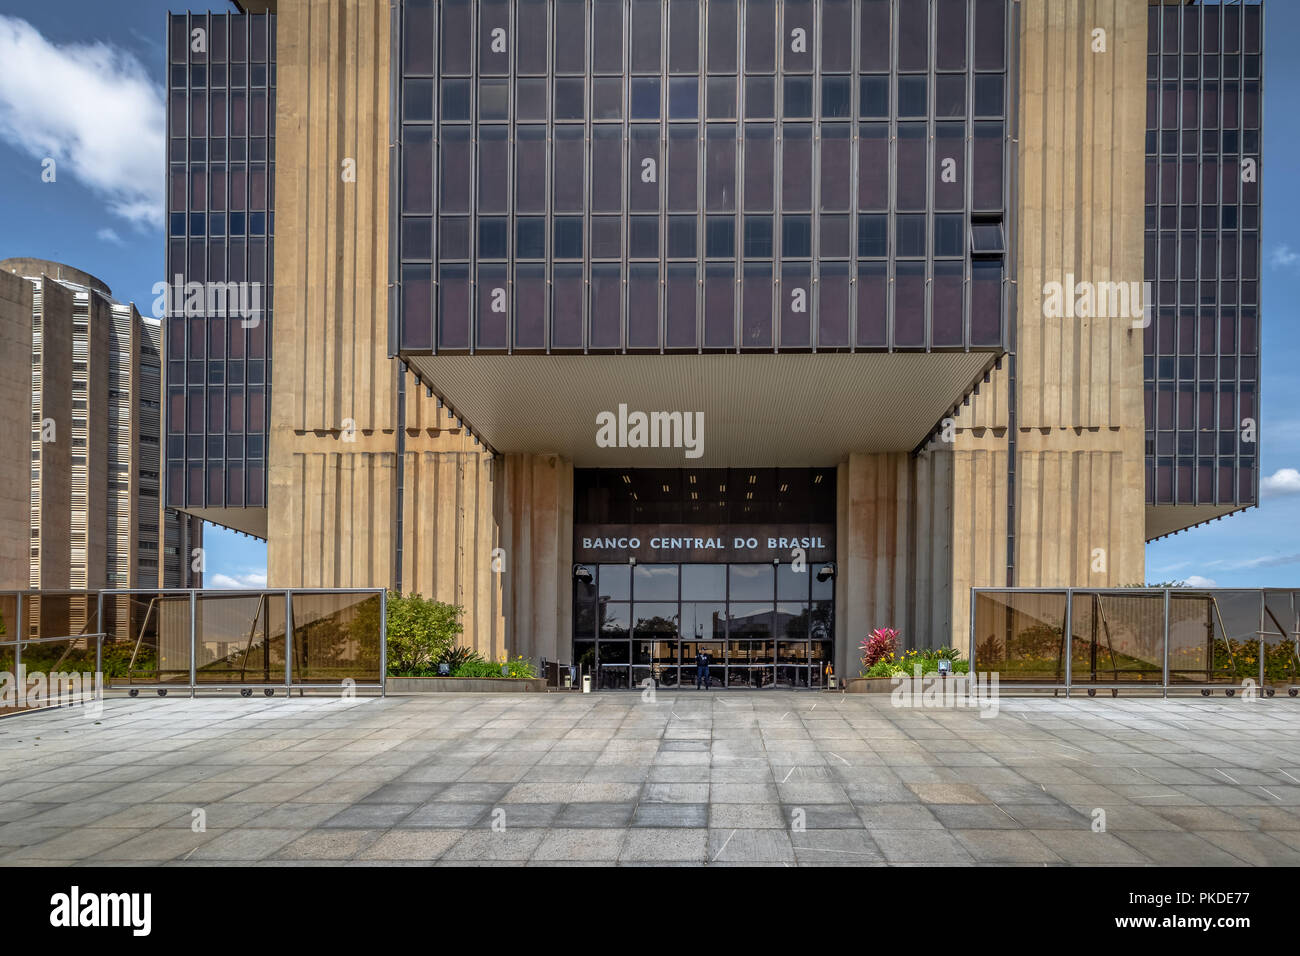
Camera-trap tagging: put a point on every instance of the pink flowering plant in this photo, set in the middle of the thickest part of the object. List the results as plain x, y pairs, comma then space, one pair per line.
881, 645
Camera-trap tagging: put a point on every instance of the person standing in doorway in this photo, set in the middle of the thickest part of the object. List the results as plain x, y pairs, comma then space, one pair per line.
702, 673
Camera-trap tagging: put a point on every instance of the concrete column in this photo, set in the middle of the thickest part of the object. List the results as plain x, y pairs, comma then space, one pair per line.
537, 522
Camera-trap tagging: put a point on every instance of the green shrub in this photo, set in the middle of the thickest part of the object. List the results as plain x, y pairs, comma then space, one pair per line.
457, 656
477, 667
420, 633
521, 667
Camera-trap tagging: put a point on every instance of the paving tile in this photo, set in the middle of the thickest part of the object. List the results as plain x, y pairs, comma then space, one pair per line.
694, 815
949, 793
675, 793
397, 845
596, 815
744, 793
1001, 846
362, 816
823, 816
76, 844
1085, 846
1259, 849
662, 845
732, 845
766, 816
403, 792
327, 844
901, 816
564, 844
243, 845
156, 845
835, 847
472, 792
920, 846
1165, 848
512, 843
1044, 816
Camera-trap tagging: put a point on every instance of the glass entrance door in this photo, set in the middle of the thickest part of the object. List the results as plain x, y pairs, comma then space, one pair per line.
761, 625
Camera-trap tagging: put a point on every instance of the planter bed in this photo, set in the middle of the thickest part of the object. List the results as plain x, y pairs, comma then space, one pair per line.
466, 685
866, 685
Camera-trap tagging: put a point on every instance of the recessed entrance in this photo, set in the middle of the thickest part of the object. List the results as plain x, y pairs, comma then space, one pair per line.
739, 566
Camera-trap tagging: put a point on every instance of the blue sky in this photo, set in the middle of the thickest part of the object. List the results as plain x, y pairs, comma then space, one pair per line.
103, 215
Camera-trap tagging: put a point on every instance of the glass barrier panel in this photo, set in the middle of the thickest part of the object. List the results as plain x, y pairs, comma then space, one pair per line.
1212, 636
239, 638
1281, 633
1021, 635
9, 631
148, 638
336, 636
1117, 638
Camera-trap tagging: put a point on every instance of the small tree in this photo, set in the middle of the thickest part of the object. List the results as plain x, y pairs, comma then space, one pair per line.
420, 632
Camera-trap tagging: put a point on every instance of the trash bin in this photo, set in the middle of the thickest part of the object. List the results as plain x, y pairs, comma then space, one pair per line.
586, 683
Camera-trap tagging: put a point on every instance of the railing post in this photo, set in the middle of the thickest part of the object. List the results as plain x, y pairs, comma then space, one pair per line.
970, 640
194, 604
21, 632
99, 644
1165, 668
383, 643
288, 643
1069, 639
1259, 637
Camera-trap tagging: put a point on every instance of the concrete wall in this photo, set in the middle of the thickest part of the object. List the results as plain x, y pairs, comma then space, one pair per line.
916, 535
55, 517
15, 429
331, 500
99, 345
334, 446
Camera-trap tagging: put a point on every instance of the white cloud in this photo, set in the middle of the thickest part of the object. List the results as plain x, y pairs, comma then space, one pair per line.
109, 235
1283, 257
1196, 581
93, 109
249, 580
1284, 481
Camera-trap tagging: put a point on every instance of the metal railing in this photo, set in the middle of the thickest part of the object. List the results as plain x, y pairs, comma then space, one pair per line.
1161, 639
205, 639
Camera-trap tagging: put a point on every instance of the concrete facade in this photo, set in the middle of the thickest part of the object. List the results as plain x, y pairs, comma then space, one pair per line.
334, 450
1045, 476
15, 396
51, 404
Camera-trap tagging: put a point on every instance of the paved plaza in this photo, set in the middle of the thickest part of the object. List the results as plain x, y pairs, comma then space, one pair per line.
719, 778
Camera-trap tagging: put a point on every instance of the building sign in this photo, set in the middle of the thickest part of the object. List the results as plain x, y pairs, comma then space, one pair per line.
670, 543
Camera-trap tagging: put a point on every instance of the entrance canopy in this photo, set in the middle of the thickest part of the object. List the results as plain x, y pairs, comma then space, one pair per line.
732, 410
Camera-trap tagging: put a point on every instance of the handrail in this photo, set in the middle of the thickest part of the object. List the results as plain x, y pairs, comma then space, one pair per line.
24, 641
